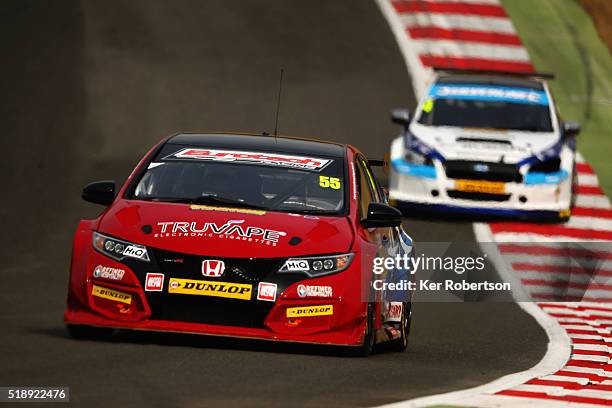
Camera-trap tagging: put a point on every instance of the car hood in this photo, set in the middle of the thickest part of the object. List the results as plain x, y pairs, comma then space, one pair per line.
455, 143
225, 232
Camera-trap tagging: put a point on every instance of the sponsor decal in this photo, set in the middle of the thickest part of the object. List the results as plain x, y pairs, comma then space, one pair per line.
354, 175
107, 272
174, 260
481, 167
296, 265
227, 209
266, 291
330, 182
154, 282
232, 229
304, 311
314, 291
213, 268
394, 314
259, 158
489, 93
135, 252
481, 186
489, 145
111, 294
209, 288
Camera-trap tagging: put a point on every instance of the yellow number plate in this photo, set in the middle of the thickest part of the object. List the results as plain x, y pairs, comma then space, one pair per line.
481, 186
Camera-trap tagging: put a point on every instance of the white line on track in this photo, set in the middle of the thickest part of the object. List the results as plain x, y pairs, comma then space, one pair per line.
585, 179
461, 49
588, 370
591, 223
501, 25
592, 201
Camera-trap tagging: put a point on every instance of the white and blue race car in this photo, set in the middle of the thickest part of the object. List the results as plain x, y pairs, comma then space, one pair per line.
487, 144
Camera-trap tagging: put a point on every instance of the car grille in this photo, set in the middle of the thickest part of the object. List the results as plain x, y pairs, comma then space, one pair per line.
461, 169
464, 195
208, 309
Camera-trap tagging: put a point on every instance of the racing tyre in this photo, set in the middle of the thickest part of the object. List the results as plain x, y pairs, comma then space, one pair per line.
401, 344
82, 332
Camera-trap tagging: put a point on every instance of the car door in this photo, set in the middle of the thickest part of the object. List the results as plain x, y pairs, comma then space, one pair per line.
392, 241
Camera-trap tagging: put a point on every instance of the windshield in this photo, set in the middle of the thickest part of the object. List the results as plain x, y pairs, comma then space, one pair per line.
493, 107
262, 180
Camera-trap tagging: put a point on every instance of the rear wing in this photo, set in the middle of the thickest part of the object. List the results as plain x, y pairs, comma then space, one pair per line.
542, 75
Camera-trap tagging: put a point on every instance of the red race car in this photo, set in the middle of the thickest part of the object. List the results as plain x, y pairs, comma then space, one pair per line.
243, 236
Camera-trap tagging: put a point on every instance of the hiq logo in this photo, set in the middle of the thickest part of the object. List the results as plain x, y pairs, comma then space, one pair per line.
296, 265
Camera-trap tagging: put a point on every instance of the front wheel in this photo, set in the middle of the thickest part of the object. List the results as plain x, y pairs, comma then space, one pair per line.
401, 343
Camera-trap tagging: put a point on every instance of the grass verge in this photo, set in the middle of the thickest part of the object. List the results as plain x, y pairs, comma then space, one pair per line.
561, 38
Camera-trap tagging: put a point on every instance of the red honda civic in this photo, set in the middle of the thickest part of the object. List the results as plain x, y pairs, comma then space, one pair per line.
237, 235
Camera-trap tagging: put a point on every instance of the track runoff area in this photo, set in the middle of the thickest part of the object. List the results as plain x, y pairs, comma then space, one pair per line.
564, 269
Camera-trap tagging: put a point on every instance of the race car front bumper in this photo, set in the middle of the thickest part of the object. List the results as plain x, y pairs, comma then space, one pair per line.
339, 317
428, 188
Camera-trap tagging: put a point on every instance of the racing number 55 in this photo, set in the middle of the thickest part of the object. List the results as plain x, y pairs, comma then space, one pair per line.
329, 182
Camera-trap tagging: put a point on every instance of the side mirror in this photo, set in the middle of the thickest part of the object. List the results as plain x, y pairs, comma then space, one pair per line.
100, 192
382, 215
571, 129
400, 116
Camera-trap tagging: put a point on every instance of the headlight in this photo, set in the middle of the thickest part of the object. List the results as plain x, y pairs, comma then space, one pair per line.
547, 166
118, 249
317, 265
417, 158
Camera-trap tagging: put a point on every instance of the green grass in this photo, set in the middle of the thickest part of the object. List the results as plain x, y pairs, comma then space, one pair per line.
561, 38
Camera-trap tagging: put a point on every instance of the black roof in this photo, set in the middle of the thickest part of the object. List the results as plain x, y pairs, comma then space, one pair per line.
490, 80
279, 144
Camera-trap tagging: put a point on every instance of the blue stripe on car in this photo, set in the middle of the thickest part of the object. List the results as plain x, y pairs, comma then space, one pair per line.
546, 178
412, 169
544, 155
489, 93
413, 143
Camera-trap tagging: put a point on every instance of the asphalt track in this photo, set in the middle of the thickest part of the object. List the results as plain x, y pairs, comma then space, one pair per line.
89, 86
